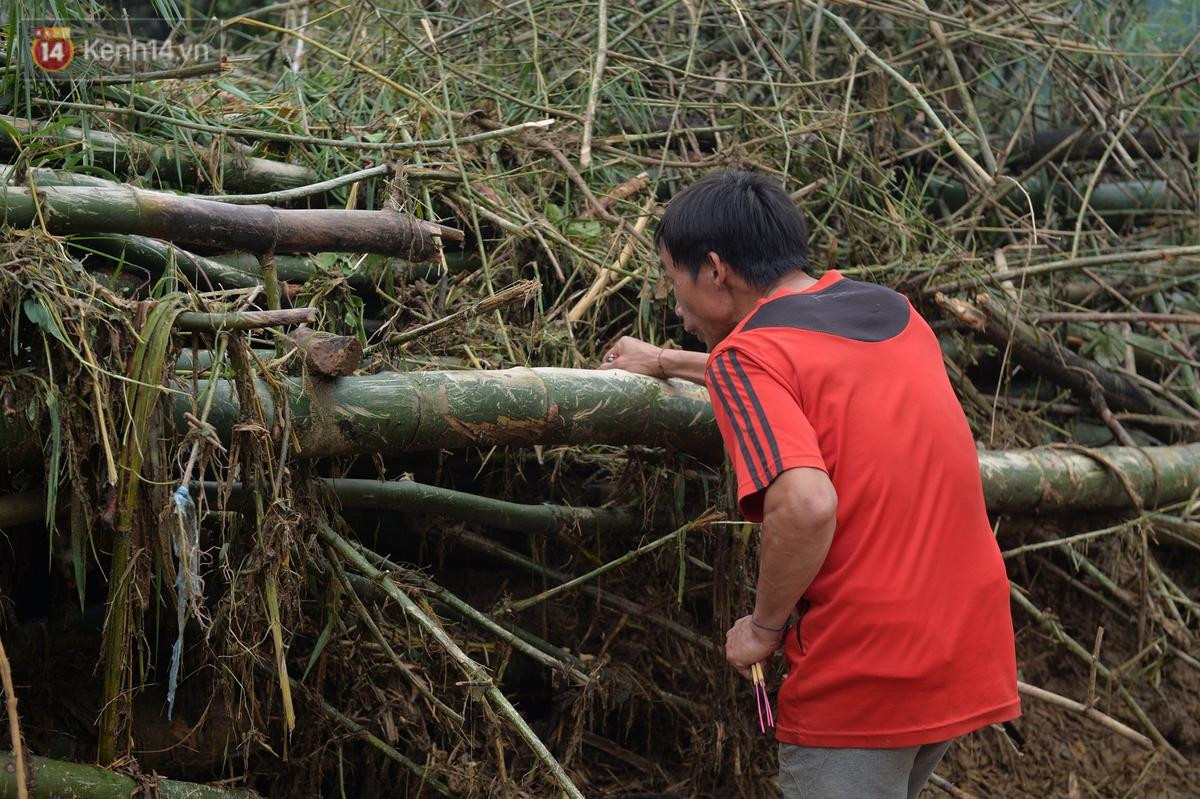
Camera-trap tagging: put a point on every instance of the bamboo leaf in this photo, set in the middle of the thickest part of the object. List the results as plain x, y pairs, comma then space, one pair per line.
38, 314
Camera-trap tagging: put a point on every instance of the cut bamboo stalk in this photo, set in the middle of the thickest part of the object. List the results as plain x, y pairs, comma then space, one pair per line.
359, 731
221, 226
1132, 316
415, 411
327, 354
177, 166
450, 604
575, 582
192, 322
300, 269
405, 412
160, 255
1114, 198
970, 164
1089, 145
353, 589
589, 115
1050, 479
1081, 652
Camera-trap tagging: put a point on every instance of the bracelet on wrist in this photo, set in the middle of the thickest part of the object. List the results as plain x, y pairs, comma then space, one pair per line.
662, 373
768, 628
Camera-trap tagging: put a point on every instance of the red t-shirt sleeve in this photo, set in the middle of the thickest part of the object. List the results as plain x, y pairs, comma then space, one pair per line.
763, 427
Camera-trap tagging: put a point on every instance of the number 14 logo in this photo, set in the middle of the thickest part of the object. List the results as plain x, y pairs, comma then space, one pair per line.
52, 48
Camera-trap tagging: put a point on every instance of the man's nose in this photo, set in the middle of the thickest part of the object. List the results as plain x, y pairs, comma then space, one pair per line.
679, 310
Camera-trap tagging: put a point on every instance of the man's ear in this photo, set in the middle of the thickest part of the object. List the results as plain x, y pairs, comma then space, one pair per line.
718, 268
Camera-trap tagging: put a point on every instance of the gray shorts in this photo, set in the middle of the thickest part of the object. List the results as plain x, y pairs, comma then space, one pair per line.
807, 772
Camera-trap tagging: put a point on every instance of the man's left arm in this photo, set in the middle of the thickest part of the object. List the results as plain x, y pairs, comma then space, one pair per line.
799, 517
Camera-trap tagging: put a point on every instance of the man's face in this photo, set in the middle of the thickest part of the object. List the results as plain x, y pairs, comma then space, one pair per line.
699, 301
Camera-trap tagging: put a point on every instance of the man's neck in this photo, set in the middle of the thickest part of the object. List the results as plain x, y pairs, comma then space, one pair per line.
797, 281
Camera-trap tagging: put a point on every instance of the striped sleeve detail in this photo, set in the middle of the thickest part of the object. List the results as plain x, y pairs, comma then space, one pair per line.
722, 393
728, 384
759, 413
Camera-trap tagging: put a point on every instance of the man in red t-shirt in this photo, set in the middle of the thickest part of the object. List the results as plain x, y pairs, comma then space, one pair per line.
851, 449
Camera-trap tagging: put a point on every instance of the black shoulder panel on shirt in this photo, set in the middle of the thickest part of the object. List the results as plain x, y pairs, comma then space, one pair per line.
849, 308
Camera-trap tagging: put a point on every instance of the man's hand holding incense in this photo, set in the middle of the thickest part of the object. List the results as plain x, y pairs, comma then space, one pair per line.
747, 644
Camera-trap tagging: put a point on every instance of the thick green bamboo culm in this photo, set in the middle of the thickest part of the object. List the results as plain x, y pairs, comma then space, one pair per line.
220, 226
52, 779
1113, 198
397, 412
157, 256
1048, 479
175, 166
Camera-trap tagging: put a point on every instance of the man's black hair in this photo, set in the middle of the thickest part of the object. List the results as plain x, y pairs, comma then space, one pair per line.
744, 217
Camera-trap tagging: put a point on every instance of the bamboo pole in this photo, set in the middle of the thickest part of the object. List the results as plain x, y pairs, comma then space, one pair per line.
192, 322
52, 779
417, 411
160, 255
1111, 198
220, 226
405, 412
176, 166
1050, 479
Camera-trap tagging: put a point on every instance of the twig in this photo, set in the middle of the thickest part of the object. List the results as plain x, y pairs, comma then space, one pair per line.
633, 554
14, 725
589, 116
465, 611
602, 278
612, 600
964, 93
360, 731
343, 579
521, 291
1104, 720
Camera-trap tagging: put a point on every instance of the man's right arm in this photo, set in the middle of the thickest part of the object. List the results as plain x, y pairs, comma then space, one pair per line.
635, 355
